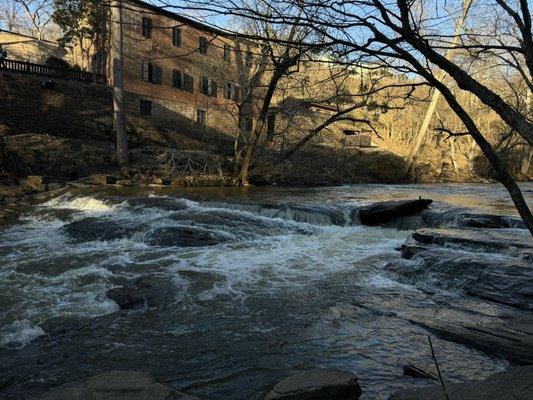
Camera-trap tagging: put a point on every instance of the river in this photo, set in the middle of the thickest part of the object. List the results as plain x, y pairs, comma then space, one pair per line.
266, 282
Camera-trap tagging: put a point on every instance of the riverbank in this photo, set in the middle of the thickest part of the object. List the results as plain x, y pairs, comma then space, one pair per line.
317, 384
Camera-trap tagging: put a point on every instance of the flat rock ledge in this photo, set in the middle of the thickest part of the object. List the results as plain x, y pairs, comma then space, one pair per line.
516, 384
115, 385
317, 384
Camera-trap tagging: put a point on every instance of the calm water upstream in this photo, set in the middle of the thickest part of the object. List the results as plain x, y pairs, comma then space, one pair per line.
281, 280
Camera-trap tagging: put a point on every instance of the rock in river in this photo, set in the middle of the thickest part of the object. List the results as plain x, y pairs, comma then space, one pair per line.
96, 229
516, 384
482, 239
150, 291
184, 236
381, 213
115, 385
317, 384
493, 265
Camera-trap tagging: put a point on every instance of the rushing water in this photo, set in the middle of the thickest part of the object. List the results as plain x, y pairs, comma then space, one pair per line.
273, 281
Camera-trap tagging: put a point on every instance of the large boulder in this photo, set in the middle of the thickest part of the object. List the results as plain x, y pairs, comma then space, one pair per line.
149, 291
382, 213
317, 384
516, 384
115, 385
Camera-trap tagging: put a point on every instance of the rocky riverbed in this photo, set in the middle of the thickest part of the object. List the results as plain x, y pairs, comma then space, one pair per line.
221, 293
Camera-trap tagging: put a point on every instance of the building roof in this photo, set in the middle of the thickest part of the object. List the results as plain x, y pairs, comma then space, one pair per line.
177, 17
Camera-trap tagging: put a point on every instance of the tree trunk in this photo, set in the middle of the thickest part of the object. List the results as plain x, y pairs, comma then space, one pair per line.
452, 154
502, 174
256, 133
419, 138
119, 119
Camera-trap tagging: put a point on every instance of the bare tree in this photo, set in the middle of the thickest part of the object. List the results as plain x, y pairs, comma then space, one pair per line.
38, 13
413, 38
10, 15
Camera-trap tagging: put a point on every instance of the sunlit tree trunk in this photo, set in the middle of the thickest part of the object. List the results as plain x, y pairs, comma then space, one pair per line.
419, 138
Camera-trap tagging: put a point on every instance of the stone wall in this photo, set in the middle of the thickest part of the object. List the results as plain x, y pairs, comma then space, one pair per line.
26, 48
78, 110
69, 109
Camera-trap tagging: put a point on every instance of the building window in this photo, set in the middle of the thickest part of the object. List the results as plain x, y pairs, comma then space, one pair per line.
176, 37
177, 79
147, 71
247, 124
232, 91
213, 88
188, 83
145, 108
203, 45
204, 85
227, 52
152, 73
146, 27
201, 117
157, 75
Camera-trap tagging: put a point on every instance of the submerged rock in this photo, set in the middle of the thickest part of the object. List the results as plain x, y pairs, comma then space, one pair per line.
489, 264
482, 239
317, 384
502, 279
382, 213
516, 384
489, 221
150, 291
96, 229
115, 385
185, 236
463, 218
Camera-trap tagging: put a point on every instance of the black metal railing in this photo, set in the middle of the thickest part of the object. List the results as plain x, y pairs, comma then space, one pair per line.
55, 72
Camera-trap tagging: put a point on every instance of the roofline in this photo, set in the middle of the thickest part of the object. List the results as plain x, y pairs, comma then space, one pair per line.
181, 18
31, 37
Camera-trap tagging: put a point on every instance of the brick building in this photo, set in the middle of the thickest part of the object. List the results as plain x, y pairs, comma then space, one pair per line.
185, 74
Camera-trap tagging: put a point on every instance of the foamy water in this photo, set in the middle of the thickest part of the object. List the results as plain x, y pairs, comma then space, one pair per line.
291, 270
